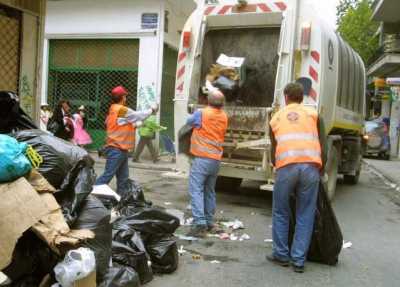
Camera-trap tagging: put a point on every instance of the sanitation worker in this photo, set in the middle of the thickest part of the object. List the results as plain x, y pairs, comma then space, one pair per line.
297, 134
121, 124
209, 128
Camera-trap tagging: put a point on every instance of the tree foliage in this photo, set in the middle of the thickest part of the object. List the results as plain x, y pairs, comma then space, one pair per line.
356, 27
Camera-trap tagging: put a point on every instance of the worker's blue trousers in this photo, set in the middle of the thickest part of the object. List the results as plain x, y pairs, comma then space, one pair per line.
304, 180
203, 176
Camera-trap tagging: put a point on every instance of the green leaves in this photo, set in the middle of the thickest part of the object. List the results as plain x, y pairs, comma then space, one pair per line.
357, 28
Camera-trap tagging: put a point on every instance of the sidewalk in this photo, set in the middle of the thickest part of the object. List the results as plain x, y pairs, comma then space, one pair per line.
164, 164
389, 169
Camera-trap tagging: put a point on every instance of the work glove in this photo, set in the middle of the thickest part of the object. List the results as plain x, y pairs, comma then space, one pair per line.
154, 107
138, 124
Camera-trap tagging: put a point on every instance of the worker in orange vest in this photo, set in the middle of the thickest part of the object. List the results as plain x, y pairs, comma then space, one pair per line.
121, 124
209, 128
298, 140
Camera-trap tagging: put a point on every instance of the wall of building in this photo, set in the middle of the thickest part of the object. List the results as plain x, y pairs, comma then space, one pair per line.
104, 19
32, 16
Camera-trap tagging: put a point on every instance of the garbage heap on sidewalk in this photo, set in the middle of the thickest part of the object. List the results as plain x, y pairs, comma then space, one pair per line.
54, 232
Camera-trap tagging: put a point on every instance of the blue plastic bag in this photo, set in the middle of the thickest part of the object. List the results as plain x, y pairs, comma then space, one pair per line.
13, 162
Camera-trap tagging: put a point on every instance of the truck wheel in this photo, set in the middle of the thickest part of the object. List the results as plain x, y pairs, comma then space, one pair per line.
352, 179
228, 183
332, 171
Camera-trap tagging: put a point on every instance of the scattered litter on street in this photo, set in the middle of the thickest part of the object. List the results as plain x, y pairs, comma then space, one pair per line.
167, 203
233, 237
347, 244
181, 250
215, 262
244, 236
268, 240
196, 257
187, 238
224, 236
189, 221
222, 212
253, 213
236, 224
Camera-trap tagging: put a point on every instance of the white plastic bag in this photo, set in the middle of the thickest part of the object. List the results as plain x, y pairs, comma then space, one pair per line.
76, 265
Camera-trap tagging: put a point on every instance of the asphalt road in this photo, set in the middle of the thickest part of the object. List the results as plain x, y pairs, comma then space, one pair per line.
369, 215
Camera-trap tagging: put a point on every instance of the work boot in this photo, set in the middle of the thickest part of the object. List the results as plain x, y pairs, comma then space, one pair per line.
277, 261
214, 229
199, 231
298, 269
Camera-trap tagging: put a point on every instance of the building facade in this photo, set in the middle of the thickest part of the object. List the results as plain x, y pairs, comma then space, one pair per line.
385, 67
21, 31
91, 46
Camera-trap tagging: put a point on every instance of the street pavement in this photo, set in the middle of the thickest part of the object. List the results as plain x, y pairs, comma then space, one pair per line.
369, 215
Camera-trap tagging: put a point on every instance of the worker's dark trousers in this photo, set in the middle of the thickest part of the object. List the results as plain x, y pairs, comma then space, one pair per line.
145, 141
304, 179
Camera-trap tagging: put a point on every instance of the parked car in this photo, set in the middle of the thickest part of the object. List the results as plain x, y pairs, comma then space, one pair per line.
377, 139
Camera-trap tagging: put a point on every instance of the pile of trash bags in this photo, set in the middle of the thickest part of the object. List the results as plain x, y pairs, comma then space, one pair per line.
127, 251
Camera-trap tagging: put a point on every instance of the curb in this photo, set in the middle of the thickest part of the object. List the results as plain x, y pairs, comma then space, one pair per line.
382, 173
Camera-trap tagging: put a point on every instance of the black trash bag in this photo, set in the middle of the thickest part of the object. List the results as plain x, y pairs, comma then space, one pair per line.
39, 140
12, 117
77, 185
228, 87
125, 234
163, 254
184, 137
32, 259
327, 239
132, 197
67, 167
148, 220
127, 256
95, 217
121, 276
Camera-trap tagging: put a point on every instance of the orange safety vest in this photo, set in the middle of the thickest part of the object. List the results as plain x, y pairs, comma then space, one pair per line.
207, 141
121, 137
296, 133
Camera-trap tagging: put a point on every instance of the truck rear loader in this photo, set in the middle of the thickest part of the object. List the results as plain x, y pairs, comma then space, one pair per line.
281, 41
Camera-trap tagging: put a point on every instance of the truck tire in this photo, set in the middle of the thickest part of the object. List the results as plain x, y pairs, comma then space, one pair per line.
332, 171
228, 183
352, 179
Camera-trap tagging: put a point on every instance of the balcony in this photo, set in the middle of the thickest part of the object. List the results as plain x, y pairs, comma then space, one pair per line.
386, 61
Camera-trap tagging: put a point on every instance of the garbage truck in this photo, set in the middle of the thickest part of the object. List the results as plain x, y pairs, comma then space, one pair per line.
281, 42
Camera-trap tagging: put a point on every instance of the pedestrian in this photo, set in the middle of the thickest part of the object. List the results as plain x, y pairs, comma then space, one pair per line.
81, 136
147, 134
298, 139
121, 124
61, 124
45, 115
209, 128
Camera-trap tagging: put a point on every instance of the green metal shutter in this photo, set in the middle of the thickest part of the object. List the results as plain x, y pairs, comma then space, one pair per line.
85, 71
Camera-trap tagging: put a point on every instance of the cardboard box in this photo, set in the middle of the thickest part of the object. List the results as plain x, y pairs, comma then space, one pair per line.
89, 281
20, 208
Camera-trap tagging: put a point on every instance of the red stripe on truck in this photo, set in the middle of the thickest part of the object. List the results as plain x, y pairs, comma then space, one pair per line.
224, 9
181, 72
180, 87
315, 56
313, 94
313, 73
281, 5
181, 57
209, 10
264, 7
